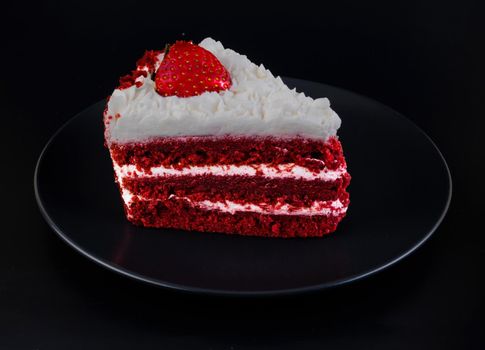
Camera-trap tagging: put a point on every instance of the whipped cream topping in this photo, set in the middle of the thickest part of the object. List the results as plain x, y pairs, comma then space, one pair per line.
287, 170
257, 103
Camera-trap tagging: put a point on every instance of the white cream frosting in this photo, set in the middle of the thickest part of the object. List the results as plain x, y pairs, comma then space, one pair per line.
256, 104
287, 170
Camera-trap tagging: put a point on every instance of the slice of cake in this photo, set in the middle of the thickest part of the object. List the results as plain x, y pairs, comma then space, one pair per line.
203, 139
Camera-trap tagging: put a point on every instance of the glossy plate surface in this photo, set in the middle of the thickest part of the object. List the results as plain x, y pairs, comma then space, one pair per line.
400, 192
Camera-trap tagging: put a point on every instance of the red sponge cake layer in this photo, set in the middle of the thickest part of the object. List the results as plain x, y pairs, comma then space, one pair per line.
181, 152
181, 215
251, 189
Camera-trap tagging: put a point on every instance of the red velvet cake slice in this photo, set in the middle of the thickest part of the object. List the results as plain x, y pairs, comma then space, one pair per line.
203, 139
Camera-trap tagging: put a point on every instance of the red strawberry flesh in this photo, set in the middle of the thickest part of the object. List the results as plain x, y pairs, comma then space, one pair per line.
189, 70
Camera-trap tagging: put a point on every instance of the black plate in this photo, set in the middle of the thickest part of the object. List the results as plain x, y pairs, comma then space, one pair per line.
400, 192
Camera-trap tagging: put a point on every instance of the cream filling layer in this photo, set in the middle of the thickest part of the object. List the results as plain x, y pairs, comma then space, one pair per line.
326, 208
280, 171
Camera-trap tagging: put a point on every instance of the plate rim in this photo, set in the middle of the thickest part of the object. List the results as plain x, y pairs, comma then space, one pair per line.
238, 293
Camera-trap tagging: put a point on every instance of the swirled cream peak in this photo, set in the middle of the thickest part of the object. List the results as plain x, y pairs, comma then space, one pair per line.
257, 103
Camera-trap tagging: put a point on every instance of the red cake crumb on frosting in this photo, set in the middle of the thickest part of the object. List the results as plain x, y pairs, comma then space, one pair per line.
202, 139
144, 66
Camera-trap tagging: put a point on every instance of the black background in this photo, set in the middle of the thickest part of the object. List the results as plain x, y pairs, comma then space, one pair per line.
423, 58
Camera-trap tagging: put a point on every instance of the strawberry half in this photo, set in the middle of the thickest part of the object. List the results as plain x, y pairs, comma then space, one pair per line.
189, 70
